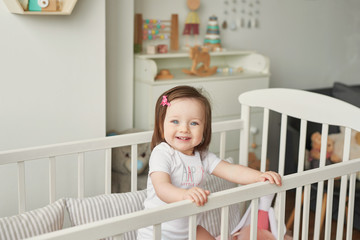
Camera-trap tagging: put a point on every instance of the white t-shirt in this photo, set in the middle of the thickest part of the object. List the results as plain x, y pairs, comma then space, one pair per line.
185, 172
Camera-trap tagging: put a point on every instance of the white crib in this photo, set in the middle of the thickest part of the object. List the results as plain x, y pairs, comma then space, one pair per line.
295, 103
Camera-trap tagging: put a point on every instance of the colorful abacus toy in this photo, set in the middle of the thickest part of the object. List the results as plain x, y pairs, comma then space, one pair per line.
155, 29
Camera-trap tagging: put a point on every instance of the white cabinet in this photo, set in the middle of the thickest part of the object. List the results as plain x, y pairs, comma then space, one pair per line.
223, 88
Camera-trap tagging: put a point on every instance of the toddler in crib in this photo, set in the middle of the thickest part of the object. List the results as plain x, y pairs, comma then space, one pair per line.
180, 159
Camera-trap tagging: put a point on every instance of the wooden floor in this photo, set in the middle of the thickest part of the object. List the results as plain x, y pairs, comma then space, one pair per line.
290, 202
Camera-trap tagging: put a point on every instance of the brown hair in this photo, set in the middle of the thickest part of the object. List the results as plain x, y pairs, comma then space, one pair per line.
160, 112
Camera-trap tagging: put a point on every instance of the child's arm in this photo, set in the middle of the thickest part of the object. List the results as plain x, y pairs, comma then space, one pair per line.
169, 193
244, 175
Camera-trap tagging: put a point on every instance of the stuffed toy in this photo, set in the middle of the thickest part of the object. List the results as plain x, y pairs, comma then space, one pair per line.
267, 223
338, 139
121, 166
331, 156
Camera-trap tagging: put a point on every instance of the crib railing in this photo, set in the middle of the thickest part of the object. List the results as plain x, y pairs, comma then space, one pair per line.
52, 152
119, 225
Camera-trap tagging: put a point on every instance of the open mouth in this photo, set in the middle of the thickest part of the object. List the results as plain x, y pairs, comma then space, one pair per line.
183, 138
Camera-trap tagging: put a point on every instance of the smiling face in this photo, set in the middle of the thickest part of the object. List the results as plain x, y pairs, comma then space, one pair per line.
184, 124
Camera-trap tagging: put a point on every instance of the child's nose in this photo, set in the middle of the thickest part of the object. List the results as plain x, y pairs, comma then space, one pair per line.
184, 128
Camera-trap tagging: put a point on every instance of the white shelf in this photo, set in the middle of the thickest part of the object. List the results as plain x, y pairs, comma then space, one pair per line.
185, 54
15, 7
182, 78
147, 66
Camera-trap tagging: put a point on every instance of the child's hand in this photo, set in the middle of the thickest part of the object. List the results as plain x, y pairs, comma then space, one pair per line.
272, 177
197, 195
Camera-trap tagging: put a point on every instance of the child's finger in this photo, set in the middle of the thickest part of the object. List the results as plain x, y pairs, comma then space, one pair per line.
201, 195
276, 178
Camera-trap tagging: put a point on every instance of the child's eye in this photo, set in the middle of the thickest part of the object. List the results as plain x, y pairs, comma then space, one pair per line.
175, 121
194, 124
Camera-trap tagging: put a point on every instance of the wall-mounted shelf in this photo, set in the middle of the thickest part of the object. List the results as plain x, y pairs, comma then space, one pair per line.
14, 6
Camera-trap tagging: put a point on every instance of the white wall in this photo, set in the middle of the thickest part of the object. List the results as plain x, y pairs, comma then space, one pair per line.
52, 89
119, 64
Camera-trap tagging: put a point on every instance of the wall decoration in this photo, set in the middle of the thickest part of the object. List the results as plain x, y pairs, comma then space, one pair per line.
241, 14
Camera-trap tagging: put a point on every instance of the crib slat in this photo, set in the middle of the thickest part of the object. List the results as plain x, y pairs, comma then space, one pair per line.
299, 195
80, 175
157, 232
222, 145
281, 214
21, 187
224, 230
302, 145
318, 209
244, 135
52, 179
320, 186
254, 218
134, 153
341, 209
324, 137
108, 171
329, 205
264, 141
343, 186
306, 209
282, 144
351, 204
192, 227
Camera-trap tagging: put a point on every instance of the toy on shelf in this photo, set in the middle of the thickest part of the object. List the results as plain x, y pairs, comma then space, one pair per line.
164, 74
155, 29
212, 37
42, 5
200, 55
230, 70
192, 21
162, 48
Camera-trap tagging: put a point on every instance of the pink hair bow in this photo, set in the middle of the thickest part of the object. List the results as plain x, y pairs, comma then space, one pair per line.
164, 101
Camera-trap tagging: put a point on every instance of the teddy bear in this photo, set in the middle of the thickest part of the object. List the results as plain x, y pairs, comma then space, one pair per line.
338, 138
331, 156
121, 166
